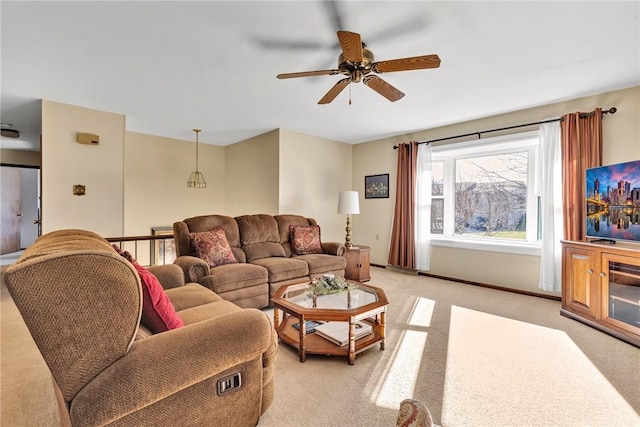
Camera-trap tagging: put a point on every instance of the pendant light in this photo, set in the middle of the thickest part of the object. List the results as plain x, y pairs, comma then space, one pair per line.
196, 179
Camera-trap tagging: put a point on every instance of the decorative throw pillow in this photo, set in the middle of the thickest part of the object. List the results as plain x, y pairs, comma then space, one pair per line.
158, 314
213, 247
305, 239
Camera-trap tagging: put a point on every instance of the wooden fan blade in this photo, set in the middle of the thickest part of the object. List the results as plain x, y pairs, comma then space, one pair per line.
335, 91
351, 46
308, 74
383, 88
404, 64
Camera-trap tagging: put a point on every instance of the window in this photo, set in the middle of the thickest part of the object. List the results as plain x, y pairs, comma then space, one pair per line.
484, 192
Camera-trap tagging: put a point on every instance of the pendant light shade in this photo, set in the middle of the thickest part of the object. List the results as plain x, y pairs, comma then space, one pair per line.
196, 179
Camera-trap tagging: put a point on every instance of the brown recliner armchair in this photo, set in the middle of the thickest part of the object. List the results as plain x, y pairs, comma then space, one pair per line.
82, 303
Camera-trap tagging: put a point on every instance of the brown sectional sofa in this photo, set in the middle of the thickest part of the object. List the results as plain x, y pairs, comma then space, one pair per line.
82, 303
261, 245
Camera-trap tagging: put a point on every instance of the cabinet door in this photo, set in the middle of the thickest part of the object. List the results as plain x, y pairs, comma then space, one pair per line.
621, 292
357, 264
365, 274
580, 290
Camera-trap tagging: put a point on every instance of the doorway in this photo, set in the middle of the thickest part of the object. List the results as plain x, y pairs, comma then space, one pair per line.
20, 188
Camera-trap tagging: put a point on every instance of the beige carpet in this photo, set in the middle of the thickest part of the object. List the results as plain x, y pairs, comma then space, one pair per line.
475, 356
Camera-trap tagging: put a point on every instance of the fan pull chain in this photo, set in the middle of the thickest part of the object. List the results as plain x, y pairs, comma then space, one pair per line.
349, 93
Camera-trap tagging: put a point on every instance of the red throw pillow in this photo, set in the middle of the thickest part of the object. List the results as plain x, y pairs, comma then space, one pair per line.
158, 314
305, 239
213, 247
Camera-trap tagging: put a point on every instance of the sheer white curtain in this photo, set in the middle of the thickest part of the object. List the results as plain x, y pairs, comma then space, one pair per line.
423, 207
551, 207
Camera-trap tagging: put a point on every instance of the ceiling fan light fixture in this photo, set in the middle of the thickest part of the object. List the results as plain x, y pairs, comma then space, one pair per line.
357, 63
196, 179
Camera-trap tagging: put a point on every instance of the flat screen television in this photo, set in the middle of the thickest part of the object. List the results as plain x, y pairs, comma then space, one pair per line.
613, 202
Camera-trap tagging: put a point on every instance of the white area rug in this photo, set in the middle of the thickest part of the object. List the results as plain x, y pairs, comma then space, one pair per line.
503, 372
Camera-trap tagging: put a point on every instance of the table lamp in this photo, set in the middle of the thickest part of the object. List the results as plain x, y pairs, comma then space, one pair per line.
348, 204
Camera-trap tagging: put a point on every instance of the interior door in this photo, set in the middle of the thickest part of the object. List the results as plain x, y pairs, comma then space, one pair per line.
11, 214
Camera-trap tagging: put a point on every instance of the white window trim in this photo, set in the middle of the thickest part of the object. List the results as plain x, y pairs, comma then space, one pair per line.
505, 143
524, 248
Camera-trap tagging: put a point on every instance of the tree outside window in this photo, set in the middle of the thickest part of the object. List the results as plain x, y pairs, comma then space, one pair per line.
484, 190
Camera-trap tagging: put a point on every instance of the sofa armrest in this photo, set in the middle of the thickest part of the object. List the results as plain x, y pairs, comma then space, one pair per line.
333, 248
169, 275
163, 364
194, 268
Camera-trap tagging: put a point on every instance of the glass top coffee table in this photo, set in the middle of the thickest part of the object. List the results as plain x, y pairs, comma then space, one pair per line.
362, 307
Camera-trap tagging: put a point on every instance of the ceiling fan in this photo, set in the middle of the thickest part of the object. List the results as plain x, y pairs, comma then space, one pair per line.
357, 63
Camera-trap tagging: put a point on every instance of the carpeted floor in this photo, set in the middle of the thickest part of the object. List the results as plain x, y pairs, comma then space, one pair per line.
475, 356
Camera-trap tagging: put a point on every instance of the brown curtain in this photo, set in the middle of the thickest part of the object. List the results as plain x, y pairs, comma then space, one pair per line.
581, 149
402, 251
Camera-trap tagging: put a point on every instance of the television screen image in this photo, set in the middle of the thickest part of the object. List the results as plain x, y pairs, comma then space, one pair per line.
613, 201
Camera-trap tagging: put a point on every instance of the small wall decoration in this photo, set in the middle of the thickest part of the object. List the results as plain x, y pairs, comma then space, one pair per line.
163, 251
376, 186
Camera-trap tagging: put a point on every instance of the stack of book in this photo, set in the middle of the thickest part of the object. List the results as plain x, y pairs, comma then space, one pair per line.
309, 326
338, 332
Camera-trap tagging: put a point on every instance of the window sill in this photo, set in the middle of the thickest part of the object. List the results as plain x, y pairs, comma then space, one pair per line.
501, 246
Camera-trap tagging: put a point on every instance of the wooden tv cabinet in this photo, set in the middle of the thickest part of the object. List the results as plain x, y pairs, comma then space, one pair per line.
601, 287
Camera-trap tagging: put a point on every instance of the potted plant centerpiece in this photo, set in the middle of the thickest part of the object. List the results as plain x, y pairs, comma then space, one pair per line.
328, 284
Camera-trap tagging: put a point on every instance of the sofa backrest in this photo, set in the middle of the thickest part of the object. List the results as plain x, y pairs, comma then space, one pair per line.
181, 230
284, 222
259, 236
81, 301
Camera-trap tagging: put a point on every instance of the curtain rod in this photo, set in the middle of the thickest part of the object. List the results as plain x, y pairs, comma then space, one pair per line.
611, 110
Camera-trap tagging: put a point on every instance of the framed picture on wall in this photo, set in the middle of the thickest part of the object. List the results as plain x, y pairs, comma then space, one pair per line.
376, 186
163, 251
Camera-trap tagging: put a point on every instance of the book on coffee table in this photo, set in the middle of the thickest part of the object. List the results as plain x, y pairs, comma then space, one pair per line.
338, 332
309, 326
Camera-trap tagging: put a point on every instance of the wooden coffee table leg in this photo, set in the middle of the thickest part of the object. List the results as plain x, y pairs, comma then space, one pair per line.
276, 318
303, 332
382, 330
352, 341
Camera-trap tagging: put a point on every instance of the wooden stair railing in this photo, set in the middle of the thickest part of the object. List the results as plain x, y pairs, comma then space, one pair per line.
148, 250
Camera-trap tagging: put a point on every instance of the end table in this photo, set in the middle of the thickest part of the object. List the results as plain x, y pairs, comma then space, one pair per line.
357, 263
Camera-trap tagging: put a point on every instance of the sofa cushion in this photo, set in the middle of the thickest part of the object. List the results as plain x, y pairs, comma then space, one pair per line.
190, 295
158, 313
283, 268
208, 311
259, 236
234, 276
249, 297
264, 250
305, 239
285, 222
181, 230
323, 263
213, 247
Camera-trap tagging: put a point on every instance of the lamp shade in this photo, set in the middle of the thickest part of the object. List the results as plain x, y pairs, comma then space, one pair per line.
348, 202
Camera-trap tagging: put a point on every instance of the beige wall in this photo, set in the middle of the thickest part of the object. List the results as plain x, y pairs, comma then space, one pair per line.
136, 181
287, 172
313, 171
66, 163
20, 157
621, 134
252, 168
155, 176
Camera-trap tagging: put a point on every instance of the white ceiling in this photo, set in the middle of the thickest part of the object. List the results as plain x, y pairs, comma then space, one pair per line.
172, 66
